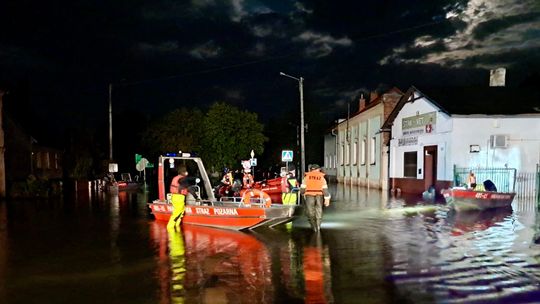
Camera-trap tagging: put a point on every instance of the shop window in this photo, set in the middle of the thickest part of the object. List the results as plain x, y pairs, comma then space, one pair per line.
409, 164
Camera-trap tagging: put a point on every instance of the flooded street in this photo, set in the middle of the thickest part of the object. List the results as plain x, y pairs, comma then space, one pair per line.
372, 249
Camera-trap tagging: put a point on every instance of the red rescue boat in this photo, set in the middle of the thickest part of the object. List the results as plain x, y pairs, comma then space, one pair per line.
203, 209
465, 199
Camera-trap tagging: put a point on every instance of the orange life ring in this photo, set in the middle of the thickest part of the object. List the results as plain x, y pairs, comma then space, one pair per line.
248, 194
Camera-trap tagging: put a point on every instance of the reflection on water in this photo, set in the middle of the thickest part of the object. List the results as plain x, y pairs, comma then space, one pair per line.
373, 248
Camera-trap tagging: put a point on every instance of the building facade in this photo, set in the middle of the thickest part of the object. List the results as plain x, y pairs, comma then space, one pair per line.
355, 150
428, 140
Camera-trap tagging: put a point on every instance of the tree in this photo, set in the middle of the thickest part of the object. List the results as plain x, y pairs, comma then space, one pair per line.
229, 135
178, 130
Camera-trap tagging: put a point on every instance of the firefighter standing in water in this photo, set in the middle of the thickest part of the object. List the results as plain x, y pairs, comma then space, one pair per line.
315, 189
177, 180
178, 197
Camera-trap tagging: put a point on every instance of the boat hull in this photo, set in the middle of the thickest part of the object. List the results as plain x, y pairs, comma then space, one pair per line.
465, 200
227, 215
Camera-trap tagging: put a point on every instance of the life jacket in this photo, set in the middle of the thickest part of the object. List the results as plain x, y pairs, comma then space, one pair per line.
314, 182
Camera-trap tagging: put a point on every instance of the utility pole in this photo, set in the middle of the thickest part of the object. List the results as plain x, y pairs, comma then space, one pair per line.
2, 148
302, 125
110, 124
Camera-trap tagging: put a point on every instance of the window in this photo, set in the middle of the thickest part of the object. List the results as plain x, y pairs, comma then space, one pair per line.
38, 160
373, 150
348, 154
409, 164
341, 148
355, 153
363, 153
56, 160
47, 160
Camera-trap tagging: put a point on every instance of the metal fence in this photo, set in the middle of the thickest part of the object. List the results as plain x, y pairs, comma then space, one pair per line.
525, 184
503, 178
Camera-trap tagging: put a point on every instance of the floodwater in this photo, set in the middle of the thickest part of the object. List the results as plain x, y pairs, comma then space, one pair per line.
372, 249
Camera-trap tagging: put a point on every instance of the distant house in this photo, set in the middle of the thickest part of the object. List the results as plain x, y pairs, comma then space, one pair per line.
486, 128
355, 150
24, 156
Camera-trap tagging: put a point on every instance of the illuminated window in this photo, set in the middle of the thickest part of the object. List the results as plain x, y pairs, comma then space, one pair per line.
409, 164
373, 150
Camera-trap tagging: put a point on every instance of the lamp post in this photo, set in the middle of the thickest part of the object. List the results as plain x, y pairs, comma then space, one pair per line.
110, 124
302, 152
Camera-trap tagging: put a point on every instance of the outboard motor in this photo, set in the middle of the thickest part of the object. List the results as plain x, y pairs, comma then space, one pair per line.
489, 186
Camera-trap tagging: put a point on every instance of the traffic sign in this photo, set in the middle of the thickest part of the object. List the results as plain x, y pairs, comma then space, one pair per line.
286, 156
253, 162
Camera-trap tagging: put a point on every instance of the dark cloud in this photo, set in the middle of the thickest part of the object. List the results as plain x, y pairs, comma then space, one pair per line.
489, 27
165, 54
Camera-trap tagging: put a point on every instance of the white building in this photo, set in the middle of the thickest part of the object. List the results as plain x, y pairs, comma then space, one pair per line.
428, 140
356, 151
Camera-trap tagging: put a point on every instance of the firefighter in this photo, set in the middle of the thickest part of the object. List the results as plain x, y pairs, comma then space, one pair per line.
315, 191
289, 188
247, 180
178, 179
227, 177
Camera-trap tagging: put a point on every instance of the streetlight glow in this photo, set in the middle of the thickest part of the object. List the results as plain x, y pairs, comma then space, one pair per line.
302, 152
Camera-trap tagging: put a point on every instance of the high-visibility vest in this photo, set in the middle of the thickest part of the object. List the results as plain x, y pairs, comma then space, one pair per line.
314, 182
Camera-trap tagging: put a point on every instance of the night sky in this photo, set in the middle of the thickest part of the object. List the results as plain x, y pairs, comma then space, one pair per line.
58, 57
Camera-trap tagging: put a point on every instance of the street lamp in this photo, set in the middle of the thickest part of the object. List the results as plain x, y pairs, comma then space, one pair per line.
302, 152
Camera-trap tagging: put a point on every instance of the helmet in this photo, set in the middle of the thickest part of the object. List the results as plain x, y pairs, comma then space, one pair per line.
314, 167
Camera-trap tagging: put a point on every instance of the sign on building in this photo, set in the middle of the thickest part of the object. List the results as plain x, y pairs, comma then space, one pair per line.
497, 77
419, 124
408, 141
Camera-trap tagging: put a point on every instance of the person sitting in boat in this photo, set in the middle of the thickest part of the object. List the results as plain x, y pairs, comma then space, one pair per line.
247, 180
471, 180
227, 177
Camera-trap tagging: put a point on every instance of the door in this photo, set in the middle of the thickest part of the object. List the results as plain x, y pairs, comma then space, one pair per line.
430, 166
